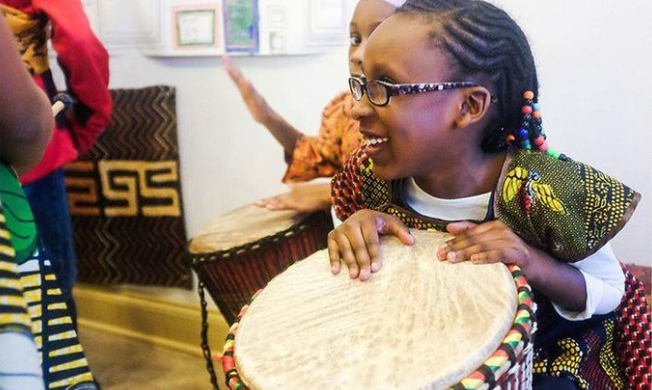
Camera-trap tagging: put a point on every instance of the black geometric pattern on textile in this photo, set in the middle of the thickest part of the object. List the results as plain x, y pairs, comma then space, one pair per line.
125, 196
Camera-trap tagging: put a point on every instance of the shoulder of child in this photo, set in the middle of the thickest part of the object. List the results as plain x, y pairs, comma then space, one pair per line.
567, 208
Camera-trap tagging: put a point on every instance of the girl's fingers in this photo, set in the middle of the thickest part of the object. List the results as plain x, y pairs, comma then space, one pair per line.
359, 249
334, 255
507, 256
469, 234
389, 224
456, 256
346, 254
372, 241
459, 227
264, 202
490, 256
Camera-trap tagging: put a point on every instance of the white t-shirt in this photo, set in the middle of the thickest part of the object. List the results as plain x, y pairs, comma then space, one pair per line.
605, 281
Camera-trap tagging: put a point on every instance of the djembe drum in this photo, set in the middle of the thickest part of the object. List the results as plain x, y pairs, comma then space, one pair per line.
240, 252
418, 323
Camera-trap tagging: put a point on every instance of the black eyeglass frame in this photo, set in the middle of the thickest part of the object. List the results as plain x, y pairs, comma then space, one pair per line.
406, 89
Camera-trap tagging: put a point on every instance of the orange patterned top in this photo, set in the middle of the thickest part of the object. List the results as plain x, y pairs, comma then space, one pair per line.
325, 154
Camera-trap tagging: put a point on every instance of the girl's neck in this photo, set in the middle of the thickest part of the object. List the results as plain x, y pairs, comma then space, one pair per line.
467, 175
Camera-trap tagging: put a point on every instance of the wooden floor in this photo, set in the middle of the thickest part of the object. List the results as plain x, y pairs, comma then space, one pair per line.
121, 363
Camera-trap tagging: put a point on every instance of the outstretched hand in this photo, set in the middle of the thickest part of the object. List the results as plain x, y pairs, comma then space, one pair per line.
357, 242
304, 198
490, 242
255, 103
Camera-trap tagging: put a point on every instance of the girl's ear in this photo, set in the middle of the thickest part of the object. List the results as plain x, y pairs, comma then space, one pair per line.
474, 107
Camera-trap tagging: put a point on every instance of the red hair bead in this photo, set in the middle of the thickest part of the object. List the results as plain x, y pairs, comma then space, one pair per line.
538, 141
526, 110
543, 147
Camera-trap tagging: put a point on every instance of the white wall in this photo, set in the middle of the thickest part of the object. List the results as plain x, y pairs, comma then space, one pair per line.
594, 61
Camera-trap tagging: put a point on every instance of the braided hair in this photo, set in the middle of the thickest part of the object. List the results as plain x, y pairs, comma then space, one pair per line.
485, 40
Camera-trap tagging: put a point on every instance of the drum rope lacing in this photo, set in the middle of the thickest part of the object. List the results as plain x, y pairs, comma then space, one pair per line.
206, 349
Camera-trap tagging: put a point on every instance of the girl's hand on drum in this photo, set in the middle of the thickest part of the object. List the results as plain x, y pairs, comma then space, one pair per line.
357, 242
255, 103
304, 198
490, 242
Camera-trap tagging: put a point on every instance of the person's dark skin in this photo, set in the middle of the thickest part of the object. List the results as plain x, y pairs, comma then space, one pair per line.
26, 120
307, 197
436, 139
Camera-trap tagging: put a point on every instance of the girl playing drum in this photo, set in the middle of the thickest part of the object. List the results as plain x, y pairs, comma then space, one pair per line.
466, 153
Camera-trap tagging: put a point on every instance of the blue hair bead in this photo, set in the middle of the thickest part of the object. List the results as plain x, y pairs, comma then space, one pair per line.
523, 133
526, 145
536, 106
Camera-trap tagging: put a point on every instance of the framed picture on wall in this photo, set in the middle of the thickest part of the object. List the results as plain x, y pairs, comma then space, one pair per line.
241, 26
327, 22
197, 26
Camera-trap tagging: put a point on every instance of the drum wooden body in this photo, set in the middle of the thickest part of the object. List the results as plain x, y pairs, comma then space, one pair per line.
240, 252
418, 323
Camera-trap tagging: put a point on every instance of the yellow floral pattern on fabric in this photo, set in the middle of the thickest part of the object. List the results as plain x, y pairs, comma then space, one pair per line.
561, 206
519, 180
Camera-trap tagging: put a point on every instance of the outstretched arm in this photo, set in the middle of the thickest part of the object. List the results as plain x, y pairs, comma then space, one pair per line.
262, 113
26, 120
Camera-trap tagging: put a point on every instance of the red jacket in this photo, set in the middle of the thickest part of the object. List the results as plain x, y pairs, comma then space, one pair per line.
85, 64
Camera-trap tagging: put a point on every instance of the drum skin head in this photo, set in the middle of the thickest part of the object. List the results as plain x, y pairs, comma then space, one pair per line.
418, 323
242, 226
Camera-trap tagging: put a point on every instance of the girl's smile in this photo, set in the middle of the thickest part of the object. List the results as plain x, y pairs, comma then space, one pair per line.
374, 145
414, 127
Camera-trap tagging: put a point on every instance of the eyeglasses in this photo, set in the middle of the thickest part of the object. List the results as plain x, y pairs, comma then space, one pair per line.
380, 91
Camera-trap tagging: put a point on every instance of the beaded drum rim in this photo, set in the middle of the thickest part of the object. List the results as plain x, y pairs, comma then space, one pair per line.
486, 376
255, 246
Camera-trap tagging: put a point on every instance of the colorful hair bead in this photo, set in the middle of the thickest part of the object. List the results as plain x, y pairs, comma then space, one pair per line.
531, 134
553, 153
544, 146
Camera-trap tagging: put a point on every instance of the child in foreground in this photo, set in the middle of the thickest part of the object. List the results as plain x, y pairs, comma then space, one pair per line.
467, 153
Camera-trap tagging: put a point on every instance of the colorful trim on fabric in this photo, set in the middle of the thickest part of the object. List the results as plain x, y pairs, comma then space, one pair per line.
13, 307
62, 358
634, 338
491, 372
232, 378
516, 340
